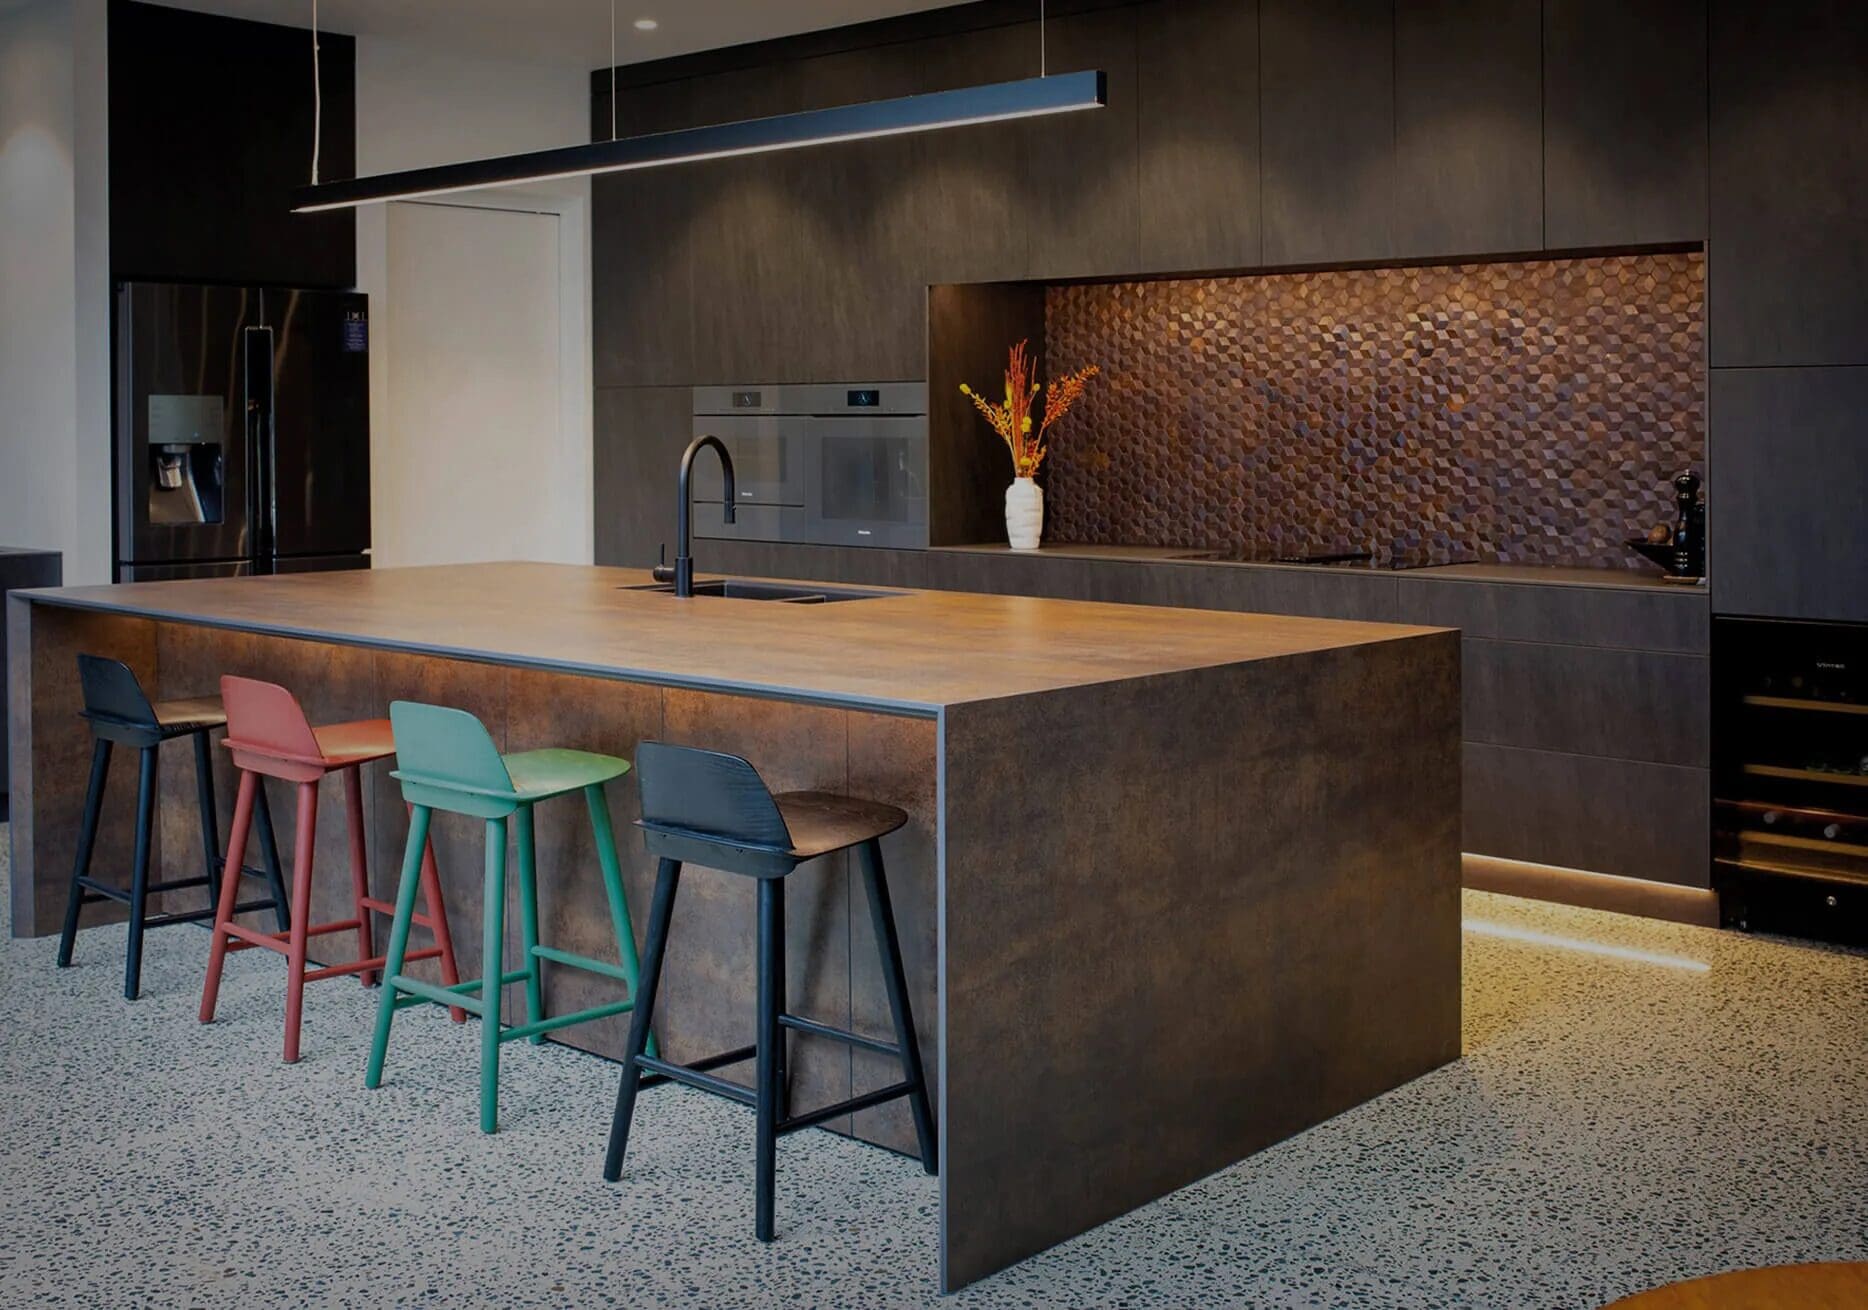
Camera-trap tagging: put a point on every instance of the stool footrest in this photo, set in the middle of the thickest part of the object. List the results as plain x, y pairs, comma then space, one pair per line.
370, 965
799, 1024
198, 916
385, 908
812, 1118
279, 941
583, 962
694, 1076
564, 1020
414, 991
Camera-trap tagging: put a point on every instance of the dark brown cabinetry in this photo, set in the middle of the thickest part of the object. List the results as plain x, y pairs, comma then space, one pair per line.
638, 434
1198, 134
1789, 275
1326, 76
1624, 122
1788, 498
210, 130
1469, 156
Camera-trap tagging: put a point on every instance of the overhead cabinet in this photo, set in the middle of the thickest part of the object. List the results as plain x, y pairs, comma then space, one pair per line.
1624, 122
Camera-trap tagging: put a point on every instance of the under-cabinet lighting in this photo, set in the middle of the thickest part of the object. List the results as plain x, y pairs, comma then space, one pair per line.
1486, 928
993, 103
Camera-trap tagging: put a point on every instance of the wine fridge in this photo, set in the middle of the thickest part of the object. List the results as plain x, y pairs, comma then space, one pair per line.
1790, 777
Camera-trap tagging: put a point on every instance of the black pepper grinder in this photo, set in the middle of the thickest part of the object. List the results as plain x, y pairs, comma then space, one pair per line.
1689, 527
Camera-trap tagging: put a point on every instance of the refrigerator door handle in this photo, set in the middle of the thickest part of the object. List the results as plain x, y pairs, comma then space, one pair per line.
257, 384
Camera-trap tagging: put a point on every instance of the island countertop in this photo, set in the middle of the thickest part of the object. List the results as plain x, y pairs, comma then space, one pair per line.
904, 651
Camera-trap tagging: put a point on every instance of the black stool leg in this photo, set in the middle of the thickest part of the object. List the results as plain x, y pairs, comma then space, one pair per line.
87, 838
210, 821
139, 875
882, 914
269, 857
648, 980
771, 987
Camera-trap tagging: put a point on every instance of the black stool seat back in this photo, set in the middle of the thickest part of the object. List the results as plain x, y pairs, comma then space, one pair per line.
114, 702
710, 808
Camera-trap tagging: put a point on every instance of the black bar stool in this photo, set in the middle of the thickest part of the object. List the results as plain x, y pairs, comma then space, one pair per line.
119, 712
712, 809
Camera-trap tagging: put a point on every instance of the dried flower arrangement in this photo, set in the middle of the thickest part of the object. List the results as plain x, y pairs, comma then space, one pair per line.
1012, 419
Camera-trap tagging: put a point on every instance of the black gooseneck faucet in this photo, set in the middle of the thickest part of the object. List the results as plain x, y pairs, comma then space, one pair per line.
682, 574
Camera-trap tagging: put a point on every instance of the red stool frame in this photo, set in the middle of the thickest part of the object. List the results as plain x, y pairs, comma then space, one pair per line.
269, 735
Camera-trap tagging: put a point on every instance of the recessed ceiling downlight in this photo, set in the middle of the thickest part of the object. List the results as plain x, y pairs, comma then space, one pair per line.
646, 25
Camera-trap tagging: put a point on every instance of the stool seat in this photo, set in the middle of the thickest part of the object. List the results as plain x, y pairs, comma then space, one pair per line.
822, 822
358, 742
196, 714
542, 774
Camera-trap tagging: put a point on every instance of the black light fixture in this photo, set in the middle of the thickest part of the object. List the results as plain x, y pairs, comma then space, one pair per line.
997, 102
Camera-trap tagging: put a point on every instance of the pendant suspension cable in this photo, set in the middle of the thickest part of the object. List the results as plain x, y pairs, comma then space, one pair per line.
612, 70
317, 96
1044, 53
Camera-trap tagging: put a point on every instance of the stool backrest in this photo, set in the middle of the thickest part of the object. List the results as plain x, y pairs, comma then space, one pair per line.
111, 691
446, 760
709, 797
267, 730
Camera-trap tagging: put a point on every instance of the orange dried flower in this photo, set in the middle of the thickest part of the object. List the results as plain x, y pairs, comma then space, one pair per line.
1012, 420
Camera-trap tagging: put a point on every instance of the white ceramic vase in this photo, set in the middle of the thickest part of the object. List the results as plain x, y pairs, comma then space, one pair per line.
1024, 514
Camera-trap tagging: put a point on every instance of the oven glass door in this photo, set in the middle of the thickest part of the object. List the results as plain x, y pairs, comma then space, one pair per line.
867, 482
768, 458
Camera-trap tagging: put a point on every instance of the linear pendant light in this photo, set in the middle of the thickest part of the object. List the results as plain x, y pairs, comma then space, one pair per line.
994, 103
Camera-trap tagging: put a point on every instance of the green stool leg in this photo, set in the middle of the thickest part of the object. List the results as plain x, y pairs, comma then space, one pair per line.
492, 970
528, 919
613, 889
398, 939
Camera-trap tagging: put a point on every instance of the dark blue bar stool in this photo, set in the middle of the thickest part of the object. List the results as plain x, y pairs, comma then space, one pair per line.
119, 713
702, 807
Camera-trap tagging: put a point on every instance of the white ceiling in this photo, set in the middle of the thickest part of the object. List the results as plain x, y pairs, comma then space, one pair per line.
575, 33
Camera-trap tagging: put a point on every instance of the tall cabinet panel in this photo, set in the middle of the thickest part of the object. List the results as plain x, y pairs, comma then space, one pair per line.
641, 234
638, 434
1469, 153
1788, 498
1624, 122
968, 184
1080, 179
1198, 129
1326, 72
1788, 279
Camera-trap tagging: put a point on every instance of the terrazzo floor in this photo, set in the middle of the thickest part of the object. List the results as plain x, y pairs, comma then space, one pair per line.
1618, 1121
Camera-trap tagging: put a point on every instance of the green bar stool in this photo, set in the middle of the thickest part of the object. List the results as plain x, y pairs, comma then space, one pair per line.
446, 760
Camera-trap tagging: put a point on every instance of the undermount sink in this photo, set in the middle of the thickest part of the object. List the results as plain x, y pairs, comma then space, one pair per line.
741, 589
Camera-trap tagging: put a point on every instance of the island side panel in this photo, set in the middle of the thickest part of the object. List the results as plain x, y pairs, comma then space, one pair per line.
50, 748
1185, 917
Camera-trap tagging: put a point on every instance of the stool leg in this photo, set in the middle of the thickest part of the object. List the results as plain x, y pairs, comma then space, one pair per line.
139, 873
599, 807
661, 910
438, 914
305, 843
528, 918
771, 982
895, 981
87, 838
269, 856
492, 968
359, 868
230, 891
210, 820
413, 860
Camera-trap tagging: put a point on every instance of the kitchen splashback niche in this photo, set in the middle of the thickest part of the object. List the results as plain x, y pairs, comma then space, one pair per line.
1526, 412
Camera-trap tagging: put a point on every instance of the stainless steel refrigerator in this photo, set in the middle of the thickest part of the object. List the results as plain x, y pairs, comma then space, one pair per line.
242, 419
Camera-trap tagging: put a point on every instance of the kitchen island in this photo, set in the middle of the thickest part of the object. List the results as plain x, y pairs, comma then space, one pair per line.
1176, 885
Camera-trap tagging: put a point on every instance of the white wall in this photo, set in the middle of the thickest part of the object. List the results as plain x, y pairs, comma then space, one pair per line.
55, 285
417, 106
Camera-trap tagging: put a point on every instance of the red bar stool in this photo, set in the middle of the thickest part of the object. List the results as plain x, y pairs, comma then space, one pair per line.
269, 735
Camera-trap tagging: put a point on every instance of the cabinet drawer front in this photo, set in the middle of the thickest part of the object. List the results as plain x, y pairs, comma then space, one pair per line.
1573, 616
1628, 705
1582, 812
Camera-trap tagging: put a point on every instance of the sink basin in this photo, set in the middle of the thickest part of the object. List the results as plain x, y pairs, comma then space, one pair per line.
741, 589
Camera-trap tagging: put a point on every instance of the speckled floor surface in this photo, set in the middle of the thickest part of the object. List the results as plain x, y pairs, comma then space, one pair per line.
1616, 1123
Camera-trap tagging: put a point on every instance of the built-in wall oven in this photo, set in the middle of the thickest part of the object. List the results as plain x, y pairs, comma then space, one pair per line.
831, 464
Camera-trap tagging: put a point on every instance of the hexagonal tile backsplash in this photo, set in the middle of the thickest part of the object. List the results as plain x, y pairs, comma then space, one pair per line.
1528, 412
